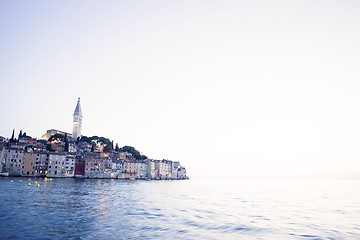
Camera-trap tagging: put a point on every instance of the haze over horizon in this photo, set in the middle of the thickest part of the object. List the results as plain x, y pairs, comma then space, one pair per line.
228, 88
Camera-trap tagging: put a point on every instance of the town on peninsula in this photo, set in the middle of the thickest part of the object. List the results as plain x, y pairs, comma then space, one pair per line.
64, 155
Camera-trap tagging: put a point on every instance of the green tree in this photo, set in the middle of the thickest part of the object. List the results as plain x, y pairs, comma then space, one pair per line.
66, 143
136, 154
85, 139
48, 147
107, 148
117, 147
57, 136
12, 139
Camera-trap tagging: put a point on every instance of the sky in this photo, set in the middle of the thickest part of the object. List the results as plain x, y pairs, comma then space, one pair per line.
229, 88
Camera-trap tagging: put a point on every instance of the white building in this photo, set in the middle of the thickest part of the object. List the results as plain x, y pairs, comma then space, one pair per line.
42, 159
117, 168
151, 170
141, 168
61, 165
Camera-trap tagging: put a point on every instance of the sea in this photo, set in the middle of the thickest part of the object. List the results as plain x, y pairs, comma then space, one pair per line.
183, 209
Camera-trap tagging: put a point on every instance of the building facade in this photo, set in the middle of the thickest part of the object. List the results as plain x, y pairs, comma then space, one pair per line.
130, 169
141, 168
61, 165
12, 160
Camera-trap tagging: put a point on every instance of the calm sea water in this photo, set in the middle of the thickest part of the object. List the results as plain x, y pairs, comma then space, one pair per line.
192, 209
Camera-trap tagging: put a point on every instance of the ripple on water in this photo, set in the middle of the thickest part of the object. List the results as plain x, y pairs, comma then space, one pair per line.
91, 209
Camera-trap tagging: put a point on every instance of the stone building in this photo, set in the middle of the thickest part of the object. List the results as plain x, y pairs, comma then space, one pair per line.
141, 167
61, 165
96, 166
12, 160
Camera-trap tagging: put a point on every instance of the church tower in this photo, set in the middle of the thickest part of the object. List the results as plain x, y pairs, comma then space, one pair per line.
77, 121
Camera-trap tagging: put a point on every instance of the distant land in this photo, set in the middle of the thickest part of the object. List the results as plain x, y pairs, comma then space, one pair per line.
65, 155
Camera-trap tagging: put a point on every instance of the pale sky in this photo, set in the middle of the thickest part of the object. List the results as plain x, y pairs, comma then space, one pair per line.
228, 88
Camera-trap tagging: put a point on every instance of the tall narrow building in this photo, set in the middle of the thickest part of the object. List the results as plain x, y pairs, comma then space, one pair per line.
77, 121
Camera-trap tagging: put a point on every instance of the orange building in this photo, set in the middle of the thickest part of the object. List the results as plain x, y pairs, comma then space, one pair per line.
130, 170
28, 164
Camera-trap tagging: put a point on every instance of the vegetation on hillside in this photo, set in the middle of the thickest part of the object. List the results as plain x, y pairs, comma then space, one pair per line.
109, 146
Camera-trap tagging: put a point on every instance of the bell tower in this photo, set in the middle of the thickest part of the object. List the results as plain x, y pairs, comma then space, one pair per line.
77, 119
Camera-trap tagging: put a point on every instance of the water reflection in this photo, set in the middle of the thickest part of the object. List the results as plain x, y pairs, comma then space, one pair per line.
196, 209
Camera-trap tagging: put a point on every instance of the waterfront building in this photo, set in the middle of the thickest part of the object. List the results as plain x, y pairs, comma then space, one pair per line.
117, 168
34, 163
28, 163
41, 164
168, 166
79, 168
12, 160
1, 155
130, 169
151, 170
141, 168
77, 121
56, 166
157, 169
174, 170
69, 165
61, 165
96, 166
163, 169
181, 173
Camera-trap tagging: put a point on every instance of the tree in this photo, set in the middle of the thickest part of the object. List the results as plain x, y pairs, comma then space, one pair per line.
20, 134
136, 154
92, 148
66, 143
117, 147
85, 139
56, 137
48, 147
107, 148
12, 139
